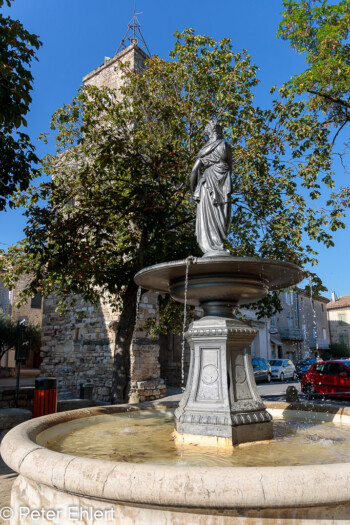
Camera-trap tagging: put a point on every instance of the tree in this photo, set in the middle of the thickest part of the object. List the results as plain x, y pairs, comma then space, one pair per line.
119, 200
320, 30
16, 152
336, 351
9, 334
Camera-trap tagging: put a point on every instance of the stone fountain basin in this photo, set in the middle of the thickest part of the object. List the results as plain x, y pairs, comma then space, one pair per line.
144, 494
235, 280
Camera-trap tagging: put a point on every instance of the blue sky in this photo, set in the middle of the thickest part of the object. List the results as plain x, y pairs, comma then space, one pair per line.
78, 34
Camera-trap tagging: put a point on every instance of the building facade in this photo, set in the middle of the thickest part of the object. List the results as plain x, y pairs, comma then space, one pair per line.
300, 330
31, 311
339, 319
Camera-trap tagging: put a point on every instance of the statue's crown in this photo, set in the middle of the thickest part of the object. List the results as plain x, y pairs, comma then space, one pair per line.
213, 125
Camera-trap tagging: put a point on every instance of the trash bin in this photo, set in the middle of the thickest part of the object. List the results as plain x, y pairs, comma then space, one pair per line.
45, 396
86, 390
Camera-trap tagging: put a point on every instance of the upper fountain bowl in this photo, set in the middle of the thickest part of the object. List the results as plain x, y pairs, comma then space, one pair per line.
220, 283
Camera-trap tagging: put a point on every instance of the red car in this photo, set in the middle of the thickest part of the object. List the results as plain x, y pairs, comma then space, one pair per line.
328, 377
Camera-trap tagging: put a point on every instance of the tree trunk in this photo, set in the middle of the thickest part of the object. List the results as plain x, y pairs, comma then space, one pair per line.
123, 339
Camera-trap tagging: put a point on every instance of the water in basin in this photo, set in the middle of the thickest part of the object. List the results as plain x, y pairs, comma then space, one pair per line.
146, 437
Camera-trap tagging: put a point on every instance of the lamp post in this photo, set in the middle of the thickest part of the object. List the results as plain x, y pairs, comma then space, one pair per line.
22, 352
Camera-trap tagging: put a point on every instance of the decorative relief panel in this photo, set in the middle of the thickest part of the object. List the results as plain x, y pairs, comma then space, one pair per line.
209, 375
241, 386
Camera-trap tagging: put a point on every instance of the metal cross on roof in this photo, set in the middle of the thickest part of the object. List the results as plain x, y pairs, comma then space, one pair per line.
134, 35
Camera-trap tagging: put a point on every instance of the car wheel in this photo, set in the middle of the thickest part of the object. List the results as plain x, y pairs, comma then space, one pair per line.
269, 377
295, 376
282, 376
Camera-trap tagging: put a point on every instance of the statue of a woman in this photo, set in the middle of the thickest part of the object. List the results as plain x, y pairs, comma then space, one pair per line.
212, 191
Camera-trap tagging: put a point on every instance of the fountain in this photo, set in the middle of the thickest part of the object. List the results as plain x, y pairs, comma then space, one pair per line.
220, 413
221, 404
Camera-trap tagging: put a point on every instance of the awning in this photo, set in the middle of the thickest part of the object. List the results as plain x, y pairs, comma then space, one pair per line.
275, 340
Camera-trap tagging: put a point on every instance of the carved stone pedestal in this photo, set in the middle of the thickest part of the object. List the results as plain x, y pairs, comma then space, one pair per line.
221, 400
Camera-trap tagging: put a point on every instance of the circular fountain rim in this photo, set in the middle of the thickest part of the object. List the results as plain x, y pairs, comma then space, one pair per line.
197, 487
159, 276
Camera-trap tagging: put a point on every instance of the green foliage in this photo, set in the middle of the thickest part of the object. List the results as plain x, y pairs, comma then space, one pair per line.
119, 198
17, 47
336, 351
320, 30
170, 317
8, 334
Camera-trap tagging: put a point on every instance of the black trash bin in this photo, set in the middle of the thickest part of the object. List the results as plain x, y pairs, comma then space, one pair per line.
86, 390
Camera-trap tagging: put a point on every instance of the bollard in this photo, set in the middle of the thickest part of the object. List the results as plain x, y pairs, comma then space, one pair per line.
45, 396
292, 395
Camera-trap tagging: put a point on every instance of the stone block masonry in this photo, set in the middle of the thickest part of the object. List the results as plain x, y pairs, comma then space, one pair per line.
79, 347
25, 397
146, 383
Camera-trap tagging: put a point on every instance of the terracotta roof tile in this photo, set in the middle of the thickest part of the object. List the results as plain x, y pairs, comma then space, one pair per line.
339, 303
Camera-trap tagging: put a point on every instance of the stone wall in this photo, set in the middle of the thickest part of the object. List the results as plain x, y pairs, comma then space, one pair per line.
5, 302
79, 347
108, 75
146, 383
25, 397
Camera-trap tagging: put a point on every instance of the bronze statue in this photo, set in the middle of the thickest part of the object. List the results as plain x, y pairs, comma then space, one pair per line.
212, 191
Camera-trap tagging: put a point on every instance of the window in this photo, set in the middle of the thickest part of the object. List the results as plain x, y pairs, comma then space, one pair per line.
333, 369
36, 301
344, 339
304, 331
324, 333
341, 318
289, 297
322, 307
319, 368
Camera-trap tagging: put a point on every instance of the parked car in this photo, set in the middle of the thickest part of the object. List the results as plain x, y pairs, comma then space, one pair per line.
282, 369
329, 378
303, 366
261, 369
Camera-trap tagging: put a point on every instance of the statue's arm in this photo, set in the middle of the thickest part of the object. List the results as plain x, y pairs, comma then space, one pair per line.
195, 175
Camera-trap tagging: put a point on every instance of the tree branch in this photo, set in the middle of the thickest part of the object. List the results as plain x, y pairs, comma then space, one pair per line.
337, 133
339, 101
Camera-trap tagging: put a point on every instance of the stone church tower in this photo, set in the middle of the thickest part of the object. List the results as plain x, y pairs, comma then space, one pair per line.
79, 346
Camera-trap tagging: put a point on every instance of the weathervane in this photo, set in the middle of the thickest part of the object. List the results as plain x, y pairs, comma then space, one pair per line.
134, 34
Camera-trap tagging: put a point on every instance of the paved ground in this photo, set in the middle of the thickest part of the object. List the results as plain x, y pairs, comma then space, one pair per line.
27, 378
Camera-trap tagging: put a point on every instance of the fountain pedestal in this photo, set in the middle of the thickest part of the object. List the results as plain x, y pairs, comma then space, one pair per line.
221, 400
221, 404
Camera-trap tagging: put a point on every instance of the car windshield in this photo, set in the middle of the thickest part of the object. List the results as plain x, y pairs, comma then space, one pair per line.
276, 362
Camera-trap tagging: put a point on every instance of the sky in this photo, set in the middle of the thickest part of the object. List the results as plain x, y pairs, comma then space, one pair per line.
78, 34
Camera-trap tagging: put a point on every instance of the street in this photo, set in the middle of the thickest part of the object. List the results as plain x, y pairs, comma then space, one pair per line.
276, 388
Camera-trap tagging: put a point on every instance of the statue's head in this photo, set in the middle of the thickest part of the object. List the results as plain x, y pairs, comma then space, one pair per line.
212, 127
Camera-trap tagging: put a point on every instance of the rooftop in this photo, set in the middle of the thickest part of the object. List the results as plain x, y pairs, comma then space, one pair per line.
339, 303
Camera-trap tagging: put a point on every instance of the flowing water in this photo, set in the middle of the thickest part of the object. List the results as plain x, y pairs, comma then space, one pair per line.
146, 437
188, 262
138, 299
314, 324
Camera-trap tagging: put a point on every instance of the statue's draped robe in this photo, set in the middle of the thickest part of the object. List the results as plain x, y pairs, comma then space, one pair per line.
213, 195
